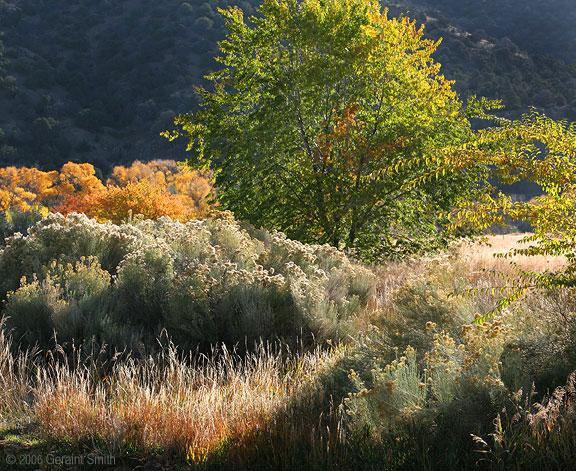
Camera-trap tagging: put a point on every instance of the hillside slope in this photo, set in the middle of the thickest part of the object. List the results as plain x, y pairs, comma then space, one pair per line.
538, 26
97, 81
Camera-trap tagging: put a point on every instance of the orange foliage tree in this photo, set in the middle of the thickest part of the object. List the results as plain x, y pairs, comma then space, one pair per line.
193, 187
154, 189
79, 180
116, 203
23, 188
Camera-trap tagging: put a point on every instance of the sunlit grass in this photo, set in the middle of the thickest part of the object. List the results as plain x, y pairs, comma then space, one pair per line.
272, 404
186, 407
482, 256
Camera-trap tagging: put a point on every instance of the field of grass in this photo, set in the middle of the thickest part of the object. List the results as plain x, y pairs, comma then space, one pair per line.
483, 254
314, 361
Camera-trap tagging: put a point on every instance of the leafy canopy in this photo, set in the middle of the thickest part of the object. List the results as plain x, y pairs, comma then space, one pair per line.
313, 117
541, 150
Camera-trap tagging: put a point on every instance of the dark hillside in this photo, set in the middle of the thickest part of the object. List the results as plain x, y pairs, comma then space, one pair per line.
538, 26
96, 81
496, 66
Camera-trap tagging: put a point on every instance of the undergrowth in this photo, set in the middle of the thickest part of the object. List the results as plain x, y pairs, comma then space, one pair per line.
218, 346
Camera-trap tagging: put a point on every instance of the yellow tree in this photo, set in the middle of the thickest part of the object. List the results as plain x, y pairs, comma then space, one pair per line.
118, 204
78, 179
154, 189
193, 187
23, 188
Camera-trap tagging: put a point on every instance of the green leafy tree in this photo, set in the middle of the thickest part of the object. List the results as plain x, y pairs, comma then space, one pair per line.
313, 117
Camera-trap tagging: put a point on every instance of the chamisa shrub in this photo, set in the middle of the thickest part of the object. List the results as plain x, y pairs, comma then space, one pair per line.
66, 300
202, 282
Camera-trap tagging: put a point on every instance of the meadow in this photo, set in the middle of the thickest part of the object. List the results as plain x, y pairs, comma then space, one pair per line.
214, 345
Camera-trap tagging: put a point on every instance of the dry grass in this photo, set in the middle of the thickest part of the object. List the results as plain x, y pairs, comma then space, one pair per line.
187, 408
175, 407
15, 384
482, 256
390, 279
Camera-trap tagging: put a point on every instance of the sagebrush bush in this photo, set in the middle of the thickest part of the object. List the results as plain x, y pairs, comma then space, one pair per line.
416, 390
394, 392
12, 221
411, 293
420, 410
66, 300
67, 239
203, 281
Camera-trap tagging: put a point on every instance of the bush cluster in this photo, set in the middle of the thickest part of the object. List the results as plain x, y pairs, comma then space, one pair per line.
423, 384
203, 282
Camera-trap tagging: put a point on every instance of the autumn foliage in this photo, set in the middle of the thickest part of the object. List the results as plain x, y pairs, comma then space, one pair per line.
153, 189
116, 203
193, 188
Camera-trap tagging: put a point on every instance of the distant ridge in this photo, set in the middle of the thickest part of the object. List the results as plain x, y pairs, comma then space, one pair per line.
97, 81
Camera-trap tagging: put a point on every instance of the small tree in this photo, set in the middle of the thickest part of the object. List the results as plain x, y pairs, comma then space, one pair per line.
317, 109
117, 204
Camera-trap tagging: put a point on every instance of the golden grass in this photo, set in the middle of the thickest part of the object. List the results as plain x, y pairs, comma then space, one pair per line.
187, 408
482, 256
15, 384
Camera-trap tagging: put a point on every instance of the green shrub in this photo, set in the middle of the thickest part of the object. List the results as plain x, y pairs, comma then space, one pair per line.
203, 282
430, 297
67, 239
392, 396
12, 221
67, 301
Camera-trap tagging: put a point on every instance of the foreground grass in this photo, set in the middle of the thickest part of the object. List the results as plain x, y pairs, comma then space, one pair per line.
418, 386
196, 410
